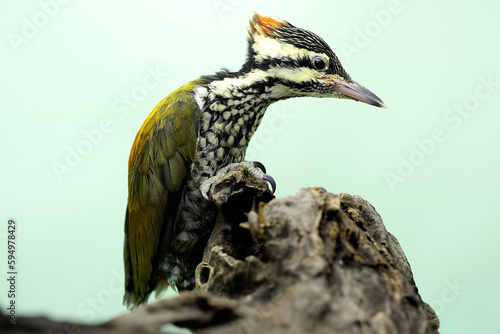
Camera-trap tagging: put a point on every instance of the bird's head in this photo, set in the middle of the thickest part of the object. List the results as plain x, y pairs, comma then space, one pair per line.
300, 62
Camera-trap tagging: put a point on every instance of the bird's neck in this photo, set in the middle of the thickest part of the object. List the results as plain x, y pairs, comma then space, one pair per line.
232, 107
235, 90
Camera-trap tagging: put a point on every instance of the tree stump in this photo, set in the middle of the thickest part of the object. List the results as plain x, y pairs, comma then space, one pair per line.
314, 262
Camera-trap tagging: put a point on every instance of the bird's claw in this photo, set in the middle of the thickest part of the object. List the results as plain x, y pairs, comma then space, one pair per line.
271, 181
259, 165
256, 168
204, 193
265, 176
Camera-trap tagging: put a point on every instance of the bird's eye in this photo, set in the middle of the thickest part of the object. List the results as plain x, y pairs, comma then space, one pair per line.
319, 63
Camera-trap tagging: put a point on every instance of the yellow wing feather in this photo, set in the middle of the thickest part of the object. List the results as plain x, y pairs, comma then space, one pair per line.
163, 149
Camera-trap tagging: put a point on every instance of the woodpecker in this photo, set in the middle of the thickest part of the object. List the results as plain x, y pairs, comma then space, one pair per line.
199, 129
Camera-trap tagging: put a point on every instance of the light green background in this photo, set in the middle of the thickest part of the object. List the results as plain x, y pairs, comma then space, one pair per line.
425, 59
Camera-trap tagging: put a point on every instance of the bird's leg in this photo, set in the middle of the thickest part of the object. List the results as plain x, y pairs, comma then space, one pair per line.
256, 168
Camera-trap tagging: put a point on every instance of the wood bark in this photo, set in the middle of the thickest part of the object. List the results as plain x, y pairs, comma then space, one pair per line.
314, 262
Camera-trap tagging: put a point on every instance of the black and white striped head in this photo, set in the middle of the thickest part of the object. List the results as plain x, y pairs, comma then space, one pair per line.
300, 62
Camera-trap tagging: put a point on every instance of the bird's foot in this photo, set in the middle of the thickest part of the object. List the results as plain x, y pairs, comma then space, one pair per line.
256, 168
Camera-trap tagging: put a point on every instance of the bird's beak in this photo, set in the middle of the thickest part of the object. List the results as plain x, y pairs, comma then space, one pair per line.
353, 90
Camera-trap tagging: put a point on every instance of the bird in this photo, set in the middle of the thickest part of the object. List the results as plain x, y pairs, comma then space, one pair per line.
203, 127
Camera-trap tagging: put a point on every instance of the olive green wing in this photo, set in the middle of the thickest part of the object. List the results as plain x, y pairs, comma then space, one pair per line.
159, 163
